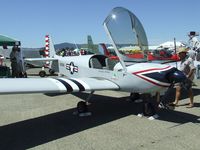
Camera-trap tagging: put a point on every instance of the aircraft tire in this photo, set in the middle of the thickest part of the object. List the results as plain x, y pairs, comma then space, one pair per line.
42, 73
82, 107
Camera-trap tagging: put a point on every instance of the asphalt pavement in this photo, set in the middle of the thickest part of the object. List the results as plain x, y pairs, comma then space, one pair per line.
39, 121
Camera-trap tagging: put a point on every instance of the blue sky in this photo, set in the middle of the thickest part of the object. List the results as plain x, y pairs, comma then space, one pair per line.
72, 20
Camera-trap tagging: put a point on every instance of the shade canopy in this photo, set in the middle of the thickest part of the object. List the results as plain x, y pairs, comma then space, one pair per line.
6, 41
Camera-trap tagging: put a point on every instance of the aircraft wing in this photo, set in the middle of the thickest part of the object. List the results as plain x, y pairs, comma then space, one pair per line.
54, 85
40, 59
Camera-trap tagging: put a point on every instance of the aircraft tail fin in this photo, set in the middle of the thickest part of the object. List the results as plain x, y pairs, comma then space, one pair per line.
103, 49
49, 51
49, 47
90, 45
89, 40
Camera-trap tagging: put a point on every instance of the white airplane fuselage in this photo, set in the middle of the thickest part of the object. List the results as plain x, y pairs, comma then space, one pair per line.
134, 80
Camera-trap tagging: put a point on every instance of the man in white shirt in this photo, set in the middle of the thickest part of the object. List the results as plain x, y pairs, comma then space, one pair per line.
188, 68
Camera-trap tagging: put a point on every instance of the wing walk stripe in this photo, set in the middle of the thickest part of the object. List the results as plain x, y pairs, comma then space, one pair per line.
67, 85
81, 87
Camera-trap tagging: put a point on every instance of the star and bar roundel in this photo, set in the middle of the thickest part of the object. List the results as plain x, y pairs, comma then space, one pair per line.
71, 67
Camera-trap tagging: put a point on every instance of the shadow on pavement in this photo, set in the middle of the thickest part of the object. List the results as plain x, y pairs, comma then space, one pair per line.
33, 132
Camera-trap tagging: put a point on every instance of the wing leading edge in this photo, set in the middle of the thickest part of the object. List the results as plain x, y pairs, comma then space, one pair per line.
40, 59
54, 85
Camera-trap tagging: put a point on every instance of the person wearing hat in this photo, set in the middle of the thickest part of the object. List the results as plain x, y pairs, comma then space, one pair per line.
188, 68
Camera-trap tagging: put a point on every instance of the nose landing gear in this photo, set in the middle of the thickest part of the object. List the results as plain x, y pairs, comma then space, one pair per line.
82, 107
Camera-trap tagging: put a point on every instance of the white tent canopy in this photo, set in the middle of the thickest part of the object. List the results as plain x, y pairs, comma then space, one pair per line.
170, 44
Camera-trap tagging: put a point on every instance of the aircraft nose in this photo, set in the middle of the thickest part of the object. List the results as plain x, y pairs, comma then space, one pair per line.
175, 76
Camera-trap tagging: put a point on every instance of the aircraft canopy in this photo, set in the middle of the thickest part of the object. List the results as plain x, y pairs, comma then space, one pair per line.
127, 33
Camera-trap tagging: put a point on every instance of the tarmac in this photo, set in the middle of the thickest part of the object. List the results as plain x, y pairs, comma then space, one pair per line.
39, 121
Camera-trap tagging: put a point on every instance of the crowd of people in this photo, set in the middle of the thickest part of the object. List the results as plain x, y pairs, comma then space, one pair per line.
72, 52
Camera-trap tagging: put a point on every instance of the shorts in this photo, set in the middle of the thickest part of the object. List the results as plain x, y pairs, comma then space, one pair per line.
187, 84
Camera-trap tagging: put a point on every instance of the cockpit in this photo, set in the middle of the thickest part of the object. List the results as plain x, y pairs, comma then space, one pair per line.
101, 62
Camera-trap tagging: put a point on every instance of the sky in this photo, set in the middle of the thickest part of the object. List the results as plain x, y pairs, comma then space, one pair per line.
72, 20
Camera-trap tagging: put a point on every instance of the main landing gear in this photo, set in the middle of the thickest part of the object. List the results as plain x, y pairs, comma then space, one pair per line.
42, 73
82, 107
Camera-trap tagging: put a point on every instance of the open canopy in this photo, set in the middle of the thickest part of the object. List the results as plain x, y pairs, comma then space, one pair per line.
6, 41
126, 33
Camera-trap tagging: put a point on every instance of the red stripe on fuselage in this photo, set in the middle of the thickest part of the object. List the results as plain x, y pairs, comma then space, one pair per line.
152, 81
150, 70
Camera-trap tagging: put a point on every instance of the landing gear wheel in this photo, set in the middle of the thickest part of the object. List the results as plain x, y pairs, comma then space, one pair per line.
51, 71
82, 107
42, 73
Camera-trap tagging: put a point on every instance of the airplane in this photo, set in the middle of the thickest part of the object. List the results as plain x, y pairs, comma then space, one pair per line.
161, 54
93, 73
108, 51
174, 60
90, 44
89, 48
43, 61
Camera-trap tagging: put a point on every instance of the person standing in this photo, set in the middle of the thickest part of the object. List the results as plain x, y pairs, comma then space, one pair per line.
188, 68
13, 60
20, 64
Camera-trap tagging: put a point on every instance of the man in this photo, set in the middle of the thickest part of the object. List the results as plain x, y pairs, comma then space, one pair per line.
187, 67
13, 60
20, 69
17, 63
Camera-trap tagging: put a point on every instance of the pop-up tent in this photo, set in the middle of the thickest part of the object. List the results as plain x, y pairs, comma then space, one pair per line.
6, 41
